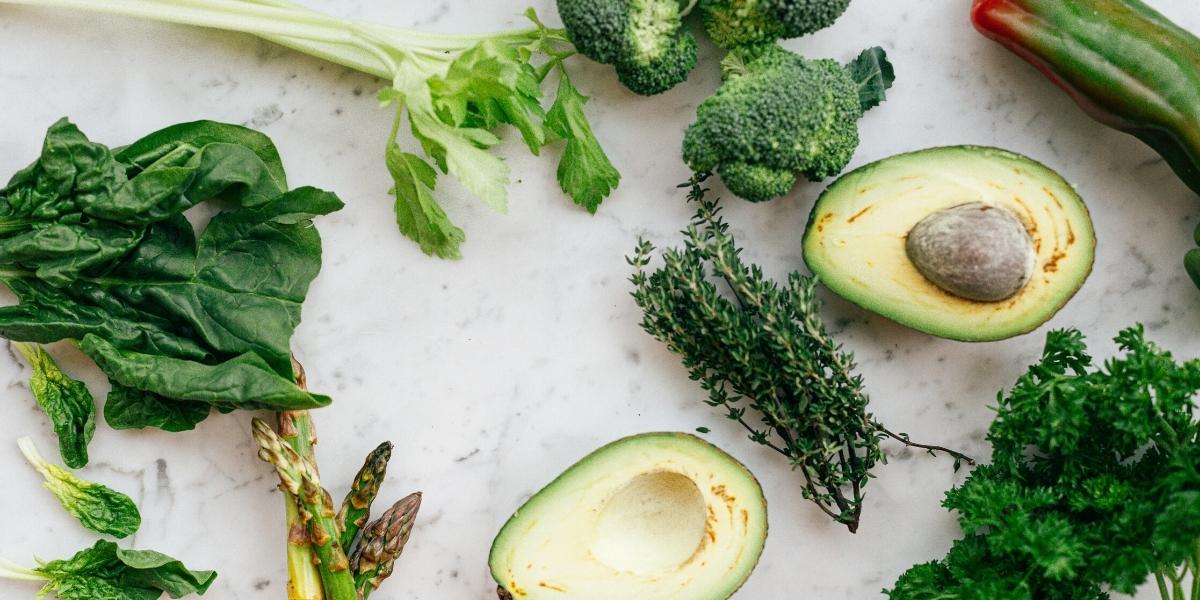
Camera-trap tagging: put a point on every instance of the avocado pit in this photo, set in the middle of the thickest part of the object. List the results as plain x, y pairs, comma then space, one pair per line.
976, 251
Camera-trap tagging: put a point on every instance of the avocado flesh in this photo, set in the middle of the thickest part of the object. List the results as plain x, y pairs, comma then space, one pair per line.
655, 516
855, 240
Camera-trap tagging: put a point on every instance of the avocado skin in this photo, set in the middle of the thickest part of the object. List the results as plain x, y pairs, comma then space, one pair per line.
965, 332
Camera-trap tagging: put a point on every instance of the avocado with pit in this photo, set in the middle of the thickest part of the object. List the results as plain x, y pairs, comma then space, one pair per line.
964, 242
657, 516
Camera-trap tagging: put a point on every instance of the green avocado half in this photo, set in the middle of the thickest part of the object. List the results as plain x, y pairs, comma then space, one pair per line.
964, 242
657, 516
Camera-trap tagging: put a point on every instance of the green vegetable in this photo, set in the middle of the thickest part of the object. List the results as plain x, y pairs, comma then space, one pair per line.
1123, 62
733, 23
644, 39
755, 344
1093, 485
662, 516
97, 507
95, 246
777, 113
106, 572
67, 402
304, 579
356, 508
325, 561
298, 476
382, 543
455, 90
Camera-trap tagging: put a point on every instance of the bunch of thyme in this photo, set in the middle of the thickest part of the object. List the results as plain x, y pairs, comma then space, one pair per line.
758, 345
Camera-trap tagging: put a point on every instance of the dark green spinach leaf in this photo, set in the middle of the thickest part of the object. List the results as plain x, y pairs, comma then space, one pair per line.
97, 249
107, 572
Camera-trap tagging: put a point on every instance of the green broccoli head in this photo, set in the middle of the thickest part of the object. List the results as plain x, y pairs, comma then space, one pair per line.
733, 23
777, 114
644, 39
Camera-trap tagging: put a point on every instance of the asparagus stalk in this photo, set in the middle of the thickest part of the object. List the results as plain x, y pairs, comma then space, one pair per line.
295, 427
304, 581
356, 508
382, 543
298, 476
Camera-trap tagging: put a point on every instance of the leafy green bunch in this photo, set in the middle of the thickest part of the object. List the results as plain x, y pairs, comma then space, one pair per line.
755, 344
455, 91
1093, 486
95, 245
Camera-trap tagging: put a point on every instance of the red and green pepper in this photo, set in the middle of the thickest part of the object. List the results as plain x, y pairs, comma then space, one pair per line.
1124, 63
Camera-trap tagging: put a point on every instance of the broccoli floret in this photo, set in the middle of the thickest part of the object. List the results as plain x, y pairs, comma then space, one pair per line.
777, 113
733, 23
643, 39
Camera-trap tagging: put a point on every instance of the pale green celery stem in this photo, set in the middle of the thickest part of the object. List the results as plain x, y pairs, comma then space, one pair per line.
370, 48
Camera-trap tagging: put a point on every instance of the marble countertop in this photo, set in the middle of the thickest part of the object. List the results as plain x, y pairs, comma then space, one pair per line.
494, 373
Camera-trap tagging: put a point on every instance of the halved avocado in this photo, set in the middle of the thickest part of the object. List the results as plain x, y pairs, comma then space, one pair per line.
991, 283
655, 516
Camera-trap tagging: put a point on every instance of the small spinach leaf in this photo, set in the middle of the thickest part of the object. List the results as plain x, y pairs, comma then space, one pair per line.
67, 402
97, 507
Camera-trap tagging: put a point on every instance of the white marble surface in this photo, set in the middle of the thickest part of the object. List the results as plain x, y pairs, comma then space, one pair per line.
494, 373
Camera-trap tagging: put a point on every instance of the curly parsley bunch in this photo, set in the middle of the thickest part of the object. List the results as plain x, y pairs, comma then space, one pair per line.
1094, 484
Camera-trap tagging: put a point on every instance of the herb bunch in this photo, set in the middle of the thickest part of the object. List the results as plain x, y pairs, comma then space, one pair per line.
758, 345
1093, 486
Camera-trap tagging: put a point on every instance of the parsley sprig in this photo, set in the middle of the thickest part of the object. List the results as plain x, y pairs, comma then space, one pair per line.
754, 344
1093, 487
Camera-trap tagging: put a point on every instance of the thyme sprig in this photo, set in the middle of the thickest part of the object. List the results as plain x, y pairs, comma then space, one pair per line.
757, 345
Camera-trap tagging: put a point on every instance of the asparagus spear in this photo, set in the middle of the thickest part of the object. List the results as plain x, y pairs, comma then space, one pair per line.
298, 476
381, 544
304, 581
356, 508
295, 427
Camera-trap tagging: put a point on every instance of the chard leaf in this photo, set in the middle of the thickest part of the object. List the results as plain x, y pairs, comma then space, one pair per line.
417, 213
584, 173
96, 506
66, 401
